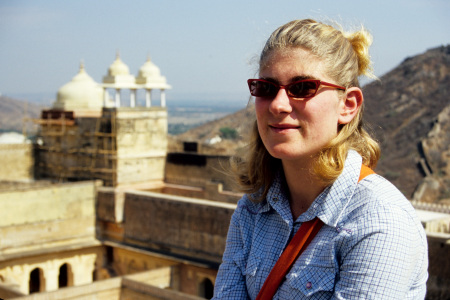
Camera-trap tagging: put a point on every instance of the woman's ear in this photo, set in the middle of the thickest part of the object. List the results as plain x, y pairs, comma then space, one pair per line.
350, 105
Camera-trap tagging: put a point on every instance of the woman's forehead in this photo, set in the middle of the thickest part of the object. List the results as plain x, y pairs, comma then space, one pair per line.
292, 62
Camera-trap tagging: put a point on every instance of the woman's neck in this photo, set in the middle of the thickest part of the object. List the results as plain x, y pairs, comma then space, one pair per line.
303, 186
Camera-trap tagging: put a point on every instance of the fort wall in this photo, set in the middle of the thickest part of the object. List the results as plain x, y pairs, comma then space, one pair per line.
144, 286
123, 146
197, 170
177, 225
17, 162
44, 227
34, 215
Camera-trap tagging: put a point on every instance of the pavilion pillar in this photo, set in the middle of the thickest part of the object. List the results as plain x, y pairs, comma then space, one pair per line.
148, 98
105, 97
117, 97
133, 98
163, 98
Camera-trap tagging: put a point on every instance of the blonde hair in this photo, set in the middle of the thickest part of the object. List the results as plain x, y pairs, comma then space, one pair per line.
345, 56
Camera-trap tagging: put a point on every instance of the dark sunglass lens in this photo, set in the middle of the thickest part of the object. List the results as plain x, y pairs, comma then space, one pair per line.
262, 89
303, 89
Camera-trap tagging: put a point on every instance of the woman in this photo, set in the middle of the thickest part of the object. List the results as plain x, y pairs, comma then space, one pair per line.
306, 154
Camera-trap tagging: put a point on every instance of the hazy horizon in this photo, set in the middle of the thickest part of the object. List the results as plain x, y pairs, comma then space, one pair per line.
205, 49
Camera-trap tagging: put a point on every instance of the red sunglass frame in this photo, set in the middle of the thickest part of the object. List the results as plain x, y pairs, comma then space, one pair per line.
317, 82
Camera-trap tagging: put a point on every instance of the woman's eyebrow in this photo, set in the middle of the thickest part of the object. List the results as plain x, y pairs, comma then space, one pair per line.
302, 77
294, 79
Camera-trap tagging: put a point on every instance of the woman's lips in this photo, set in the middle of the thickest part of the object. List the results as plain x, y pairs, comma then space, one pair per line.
280, 128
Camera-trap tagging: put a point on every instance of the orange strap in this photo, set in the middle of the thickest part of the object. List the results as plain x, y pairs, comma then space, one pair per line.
299, 242
294, 249
365, 171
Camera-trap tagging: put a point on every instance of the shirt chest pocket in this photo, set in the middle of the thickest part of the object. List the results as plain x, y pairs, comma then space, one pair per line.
252, 266
311, 280
254, 275
249, 266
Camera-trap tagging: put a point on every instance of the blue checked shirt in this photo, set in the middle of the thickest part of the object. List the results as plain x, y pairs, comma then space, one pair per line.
372, 245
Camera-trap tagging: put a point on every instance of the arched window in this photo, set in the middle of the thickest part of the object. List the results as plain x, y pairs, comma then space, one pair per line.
65, 277
36, 283
206, 289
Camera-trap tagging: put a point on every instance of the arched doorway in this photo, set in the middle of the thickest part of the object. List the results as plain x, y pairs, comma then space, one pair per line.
65, 277
36, 283
206, 289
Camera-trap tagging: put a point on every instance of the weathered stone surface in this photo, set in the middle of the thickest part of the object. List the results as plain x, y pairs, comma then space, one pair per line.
52, 215
184, 226
16, 162
124, 146
436, 152
428, 190
198, 170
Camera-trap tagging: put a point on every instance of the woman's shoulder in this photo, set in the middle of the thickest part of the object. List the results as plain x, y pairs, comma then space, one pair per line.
377, 198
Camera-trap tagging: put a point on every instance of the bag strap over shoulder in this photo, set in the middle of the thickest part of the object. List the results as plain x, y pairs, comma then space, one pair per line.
294, 249
365, 171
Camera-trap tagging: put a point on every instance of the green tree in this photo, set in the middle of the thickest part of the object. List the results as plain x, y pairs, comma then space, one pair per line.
228, 133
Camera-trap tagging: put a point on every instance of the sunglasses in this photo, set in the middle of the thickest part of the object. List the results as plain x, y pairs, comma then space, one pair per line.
306, 88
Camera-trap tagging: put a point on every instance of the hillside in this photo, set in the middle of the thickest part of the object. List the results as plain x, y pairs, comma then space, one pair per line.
13, 112
214, 133
401, 107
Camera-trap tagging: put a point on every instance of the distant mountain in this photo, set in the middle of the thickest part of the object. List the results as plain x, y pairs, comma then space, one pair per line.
224, 135
14, 114
402, 108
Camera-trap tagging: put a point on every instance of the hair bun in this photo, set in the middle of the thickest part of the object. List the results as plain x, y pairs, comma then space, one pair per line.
361, 41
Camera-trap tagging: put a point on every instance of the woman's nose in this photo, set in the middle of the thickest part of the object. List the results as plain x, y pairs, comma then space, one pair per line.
281, 103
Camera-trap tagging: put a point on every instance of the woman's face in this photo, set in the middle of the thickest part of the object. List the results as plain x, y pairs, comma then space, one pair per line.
296, 129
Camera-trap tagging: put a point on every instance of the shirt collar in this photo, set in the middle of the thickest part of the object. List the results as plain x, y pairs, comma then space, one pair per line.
277, 197
329, 205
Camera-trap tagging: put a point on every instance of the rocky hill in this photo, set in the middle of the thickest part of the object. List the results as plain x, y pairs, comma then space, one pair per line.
224, 135
13, 113
402, 109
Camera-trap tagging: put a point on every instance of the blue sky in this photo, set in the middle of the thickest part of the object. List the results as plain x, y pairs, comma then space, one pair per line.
204, 48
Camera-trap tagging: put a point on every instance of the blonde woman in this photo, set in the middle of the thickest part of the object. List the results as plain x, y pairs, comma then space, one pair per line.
305, 158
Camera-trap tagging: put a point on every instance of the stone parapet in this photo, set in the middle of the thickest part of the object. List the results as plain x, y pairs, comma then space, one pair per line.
193, 228
17, 162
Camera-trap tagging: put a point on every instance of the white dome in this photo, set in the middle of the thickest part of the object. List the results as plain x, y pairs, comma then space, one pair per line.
81, 93
118, 67
13, 138
149, 69
119, 75
150, 76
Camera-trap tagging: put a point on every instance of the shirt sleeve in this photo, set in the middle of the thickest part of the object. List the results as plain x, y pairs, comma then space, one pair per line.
230, 280
386, 258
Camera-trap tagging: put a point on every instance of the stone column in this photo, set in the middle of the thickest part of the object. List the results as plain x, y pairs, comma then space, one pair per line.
83, 269
163, 98
117, 97
133, 98
23, 275
105, 97
51, 276
148, 97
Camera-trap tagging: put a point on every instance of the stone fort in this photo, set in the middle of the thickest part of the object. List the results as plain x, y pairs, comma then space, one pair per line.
98, 207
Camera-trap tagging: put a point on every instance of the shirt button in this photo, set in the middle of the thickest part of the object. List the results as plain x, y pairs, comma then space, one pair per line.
275, 199
308, 285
